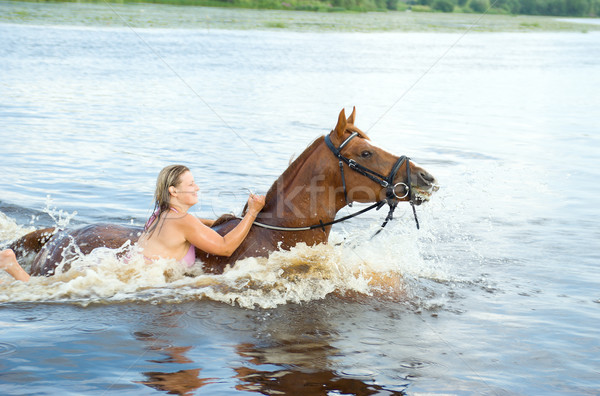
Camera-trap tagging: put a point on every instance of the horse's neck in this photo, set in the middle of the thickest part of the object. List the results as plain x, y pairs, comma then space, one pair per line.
309, 192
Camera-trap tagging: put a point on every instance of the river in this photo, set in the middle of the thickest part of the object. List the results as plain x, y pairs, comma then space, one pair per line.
498, 293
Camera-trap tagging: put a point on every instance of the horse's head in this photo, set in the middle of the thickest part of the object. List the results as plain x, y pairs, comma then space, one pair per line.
374, 173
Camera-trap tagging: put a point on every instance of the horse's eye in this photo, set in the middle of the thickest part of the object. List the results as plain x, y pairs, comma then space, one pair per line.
366, 154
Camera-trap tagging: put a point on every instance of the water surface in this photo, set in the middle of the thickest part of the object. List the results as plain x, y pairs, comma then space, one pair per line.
496, 294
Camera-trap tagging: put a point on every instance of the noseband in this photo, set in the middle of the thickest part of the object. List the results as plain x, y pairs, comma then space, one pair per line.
385, 182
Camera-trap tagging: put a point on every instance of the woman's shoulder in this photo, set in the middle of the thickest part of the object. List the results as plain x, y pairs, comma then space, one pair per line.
187, 220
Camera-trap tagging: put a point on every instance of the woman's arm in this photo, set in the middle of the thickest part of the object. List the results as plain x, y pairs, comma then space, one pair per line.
211, 242
207, 222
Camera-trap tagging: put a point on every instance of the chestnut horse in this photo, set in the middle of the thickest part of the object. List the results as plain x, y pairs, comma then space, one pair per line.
333, 172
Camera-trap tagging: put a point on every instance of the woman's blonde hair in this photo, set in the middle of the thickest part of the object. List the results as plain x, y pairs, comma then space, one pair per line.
168, 176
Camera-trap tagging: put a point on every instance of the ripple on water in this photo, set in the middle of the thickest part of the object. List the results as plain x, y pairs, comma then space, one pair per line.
215, 319
359, 373
374, 341
92, 327
31, 317
200, 313
241, 325
7, 348
414, 364
223, 320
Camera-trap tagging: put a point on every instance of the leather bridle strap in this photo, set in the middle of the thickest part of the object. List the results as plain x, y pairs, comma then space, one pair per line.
386, 182
376, 177
376, 205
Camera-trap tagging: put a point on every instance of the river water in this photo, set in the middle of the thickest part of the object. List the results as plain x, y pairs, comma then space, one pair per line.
497, 294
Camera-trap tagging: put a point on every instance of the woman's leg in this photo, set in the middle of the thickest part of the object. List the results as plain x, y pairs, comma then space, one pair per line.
8, 262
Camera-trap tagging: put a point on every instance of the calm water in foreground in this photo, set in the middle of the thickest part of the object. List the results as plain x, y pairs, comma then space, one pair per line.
497, 294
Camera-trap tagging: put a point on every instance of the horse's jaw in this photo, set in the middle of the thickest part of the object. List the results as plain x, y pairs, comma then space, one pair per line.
422, 194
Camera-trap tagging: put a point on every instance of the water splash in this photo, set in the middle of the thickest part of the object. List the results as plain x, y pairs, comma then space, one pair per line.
10, 230
61, 218
390, 266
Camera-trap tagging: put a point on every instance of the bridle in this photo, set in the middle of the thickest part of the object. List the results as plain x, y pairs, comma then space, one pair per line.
387, 182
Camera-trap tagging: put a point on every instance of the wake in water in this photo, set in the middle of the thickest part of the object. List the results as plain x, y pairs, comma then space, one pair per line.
388, 266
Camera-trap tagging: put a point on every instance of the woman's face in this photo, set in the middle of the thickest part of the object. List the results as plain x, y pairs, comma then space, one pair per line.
187, 189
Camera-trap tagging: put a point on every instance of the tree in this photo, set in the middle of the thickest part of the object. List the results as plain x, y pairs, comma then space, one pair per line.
479, 5
529, 7
553, 7
510, 6
578, 7
392, 4
443, 5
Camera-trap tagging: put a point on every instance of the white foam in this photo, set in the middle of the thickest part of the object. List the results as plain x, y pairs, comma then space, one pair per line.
385, 267
10, 230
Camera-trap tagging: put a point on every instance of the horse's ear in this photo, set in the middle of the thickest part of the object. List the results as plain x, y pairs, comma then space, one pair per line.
352, 116
340, 128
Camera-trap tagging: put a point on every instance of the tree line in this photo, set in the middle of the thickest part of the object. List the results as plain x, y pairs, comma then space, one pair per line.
577, 8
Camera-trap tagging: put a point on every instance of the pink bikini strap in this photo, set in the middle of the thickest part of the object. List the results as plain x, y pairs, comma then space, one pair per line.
151, 220
154, 216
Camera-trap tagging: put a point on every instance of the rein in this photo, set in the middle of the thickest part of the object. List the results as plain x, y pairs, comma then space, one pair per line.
385, 182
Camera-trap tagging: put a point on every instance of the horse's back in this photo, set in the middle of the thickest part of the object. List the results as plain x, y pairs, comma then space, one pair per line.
56, 246
66, 244
258, 243
212, 263
32, 242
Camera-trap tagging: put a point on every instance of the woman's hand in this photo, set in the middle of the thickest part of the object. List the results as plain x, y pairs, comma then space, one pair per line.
255, 203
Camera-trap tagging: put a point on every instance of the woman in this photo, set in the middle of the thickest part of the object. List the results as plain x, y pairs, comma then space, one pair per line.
171, 232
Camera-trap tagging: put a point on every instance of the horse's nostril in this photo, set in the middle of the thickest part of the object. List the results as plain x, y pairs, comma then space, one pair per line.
426, 177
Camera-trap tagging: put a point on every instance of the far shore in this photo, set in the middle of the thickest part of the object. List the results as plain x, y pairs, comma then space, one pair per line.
145, 15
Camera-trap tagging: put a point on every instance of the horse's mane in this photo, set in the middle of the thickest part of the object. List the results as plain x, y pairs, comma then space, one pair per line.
224, 218
288, 174
292, 169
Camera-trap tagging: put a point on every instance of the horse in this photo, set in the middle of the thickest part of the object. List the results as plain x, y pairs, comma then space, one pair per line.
335, 170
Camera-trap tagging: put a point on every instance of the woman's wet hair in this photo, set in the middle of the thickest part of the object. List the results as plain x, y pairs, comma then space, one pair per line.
168, 176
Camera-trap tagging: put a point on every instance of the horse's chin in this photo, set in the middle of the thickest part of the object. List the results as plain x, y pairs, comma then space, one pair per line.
421, 195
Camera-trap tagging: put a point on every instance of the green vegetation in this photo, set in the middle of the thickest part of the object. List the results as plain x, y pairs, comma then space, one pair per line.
443, 5
144, 15
577, 8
